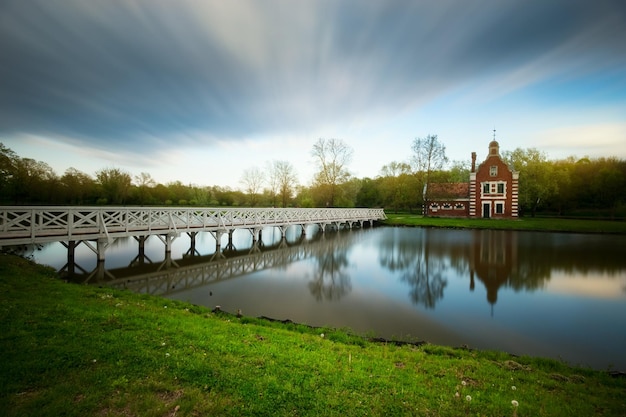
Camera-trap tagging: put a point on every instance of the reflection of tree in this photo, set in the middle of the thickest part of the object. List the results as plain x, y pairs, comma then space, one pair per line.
331, 280
411, 254
397, 250
426, 278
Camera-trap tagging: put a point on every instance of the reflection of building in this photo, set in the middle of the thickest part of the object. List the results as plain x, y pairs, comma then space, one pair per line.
492, 191
493, 257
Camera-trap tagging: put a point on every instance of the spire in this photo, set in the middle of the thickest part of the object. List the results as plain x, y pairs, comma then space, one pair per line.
494, 146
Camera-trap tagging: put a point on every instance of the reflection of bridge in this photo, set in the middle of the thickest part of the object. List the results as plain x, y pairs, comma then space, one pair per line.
73, 225
173, 276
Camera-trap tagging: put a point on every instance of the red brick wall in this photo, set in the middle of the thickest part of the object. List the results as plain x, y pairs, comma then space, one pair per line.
494, 198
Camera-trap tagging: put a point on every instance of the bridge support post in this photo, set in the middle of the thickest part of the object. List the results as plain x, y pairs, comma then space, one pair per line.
141, 257
192, 246
167, 241
217, 235
101, 247
71, 259
70, 267
230, 246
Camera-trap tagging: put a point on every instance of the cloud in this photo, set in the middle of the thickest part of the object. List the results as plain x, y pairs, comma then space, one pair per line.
132, 75
594, 140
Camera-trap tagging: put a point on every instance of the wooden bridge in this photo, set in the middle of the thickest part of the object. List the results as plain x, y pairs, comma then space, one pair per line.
73, 225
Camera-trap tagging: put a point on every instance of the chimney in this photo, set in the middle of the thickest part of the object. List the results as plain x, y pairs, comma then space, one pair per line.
473, 161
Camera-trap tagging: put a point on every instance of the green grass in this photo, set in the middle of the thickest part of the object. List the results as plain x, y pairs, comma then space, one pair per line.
525, 223
76, 350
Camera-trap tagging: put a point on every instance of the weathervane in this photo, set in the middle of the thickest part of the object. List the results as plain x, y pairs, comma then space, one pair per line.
494, 133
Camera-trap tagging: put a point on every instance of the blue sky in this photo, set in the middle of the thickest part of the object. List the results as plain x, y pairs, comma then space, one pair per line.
199, 91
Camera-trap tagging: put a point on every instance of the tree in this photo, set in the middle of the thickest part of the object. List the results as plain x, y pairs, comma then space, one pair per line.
396, 184
283, 180
611, 184
332, 157
115, 184
428, 155
144, 183
369, 193
34, 182
77, 186
536, 176
253, 179
8, 162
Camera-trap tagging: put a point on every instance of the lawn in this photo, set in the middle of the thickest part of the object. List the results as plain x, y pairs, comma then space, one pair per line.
76, 350
524, 223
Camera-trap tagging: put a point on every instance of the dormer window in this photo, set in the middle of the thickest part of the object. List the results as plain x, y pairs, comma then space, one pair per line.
493, 170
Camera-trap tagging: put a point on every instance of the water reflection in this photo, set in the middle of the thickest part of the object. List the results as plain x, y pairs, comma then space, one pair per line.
331, 277
558, 295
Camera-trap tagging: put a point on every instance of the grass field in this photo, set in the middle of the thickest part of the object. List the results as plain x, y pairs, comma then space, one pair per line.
524, 223
71, 350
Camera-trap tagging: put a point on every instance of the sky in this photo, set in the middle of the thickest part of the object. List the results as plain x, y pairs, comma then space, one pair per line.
199, 91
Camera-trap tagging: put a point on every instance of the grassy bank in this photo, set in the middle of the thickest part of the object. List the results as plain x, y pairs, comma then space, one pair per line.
84, 351
525, 223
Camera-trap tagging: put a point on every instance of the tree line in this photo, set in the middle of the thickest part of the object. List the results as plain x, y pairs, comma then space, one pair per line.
568, 187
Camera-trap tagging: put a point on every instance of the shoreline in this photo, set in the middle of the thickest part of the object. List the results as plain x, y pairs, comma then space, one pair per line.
80, 350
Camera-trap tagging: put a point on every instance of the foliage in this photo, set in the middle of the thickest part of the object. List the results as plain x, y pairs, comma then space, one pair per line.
81, 350
572, 187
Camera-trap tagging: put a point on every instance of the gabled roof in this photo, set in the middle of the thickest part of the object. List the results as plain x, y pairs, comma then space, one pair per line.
447, 190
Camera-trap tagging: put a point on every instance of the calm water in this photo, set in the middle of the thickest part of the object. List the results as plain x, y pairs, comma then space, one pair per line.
543, 294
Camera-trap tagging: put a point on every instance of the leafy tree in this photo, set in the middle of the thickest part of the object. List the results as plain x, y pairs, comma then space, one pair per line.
564, 197
34, 182
396, 183
459, 171
332, 157
77, 186
160, 194
610, 184
8, 162
115, 184
369, 194
536, 176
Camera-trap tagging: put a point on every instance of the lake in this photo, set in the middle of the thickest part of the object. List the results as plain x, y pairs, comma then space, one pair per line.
557, 295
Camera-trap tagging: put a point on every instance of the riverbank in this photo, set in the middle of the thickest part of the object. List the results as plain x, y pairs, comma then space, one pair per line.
523, 223
81, 350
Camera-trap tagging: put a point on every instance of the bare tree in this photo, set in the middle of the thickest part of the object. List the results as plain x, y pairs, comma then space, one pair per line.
252, 179
144, 182
428, 155
282, 180
332, 157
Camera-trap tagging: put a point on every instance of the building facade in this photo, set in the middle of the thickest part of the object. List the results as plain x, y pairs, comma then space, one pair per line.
491, 192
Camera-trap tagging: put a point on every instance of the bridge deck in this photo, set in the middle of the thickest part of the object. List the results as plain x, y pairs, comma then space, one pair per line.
24, 225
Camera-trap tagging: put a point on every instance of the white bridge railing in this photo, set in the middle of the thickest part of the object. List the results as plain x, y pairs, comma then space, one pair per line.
25, 225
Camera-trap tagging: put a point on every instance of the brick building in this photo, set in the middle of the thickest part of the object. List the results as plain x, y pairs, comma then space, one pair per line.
491, 192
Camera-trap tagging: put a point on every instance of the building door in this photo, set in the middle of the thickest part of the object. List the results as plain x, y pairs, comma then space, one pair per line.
486, 210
